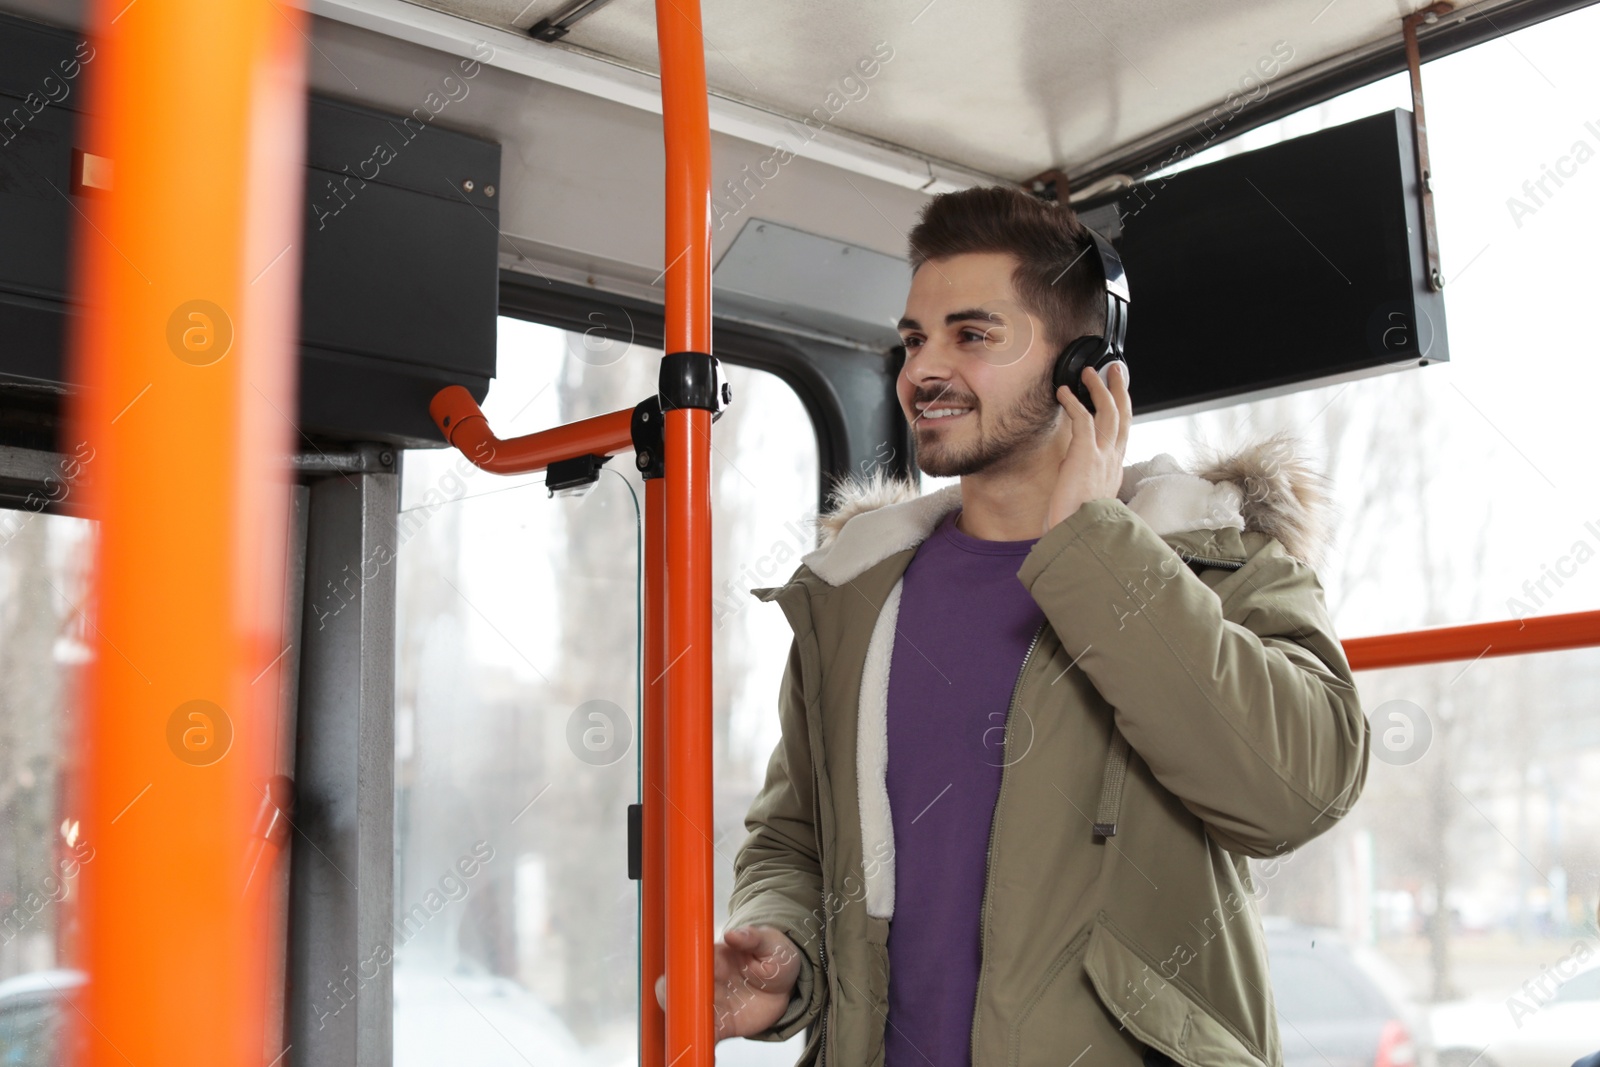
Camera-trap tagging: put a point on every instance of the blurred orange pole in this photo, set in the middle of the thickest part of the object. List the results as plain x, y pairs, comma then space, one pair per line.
690, 1033
187, 270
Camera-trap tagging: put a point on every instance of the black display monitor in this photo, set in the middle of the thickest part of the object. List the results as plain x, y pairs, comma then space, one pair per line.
1295, 265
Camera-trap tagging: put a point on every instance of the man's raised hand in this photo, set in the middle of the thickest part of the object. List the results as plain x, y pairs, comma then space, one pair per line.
1092, 467
754, 970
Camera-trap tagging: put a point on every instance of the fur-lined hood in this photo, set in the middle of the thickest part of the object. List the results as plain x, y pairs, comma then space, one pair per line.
1267, 486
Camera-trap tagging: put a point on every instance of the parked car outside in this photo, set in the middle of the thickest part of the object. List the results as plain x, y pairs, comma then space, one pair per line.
1341, 1005
32, 1009
1548, 1023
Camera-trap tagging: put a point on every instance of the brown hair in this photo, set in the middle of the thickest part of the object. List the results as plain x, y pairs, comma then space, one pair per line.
1047, 240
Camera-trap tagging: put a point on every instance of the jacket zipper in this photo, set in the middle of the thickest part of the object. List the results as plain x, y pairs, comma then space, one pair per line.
1230, 564
988, 862
822, 943
827, 1001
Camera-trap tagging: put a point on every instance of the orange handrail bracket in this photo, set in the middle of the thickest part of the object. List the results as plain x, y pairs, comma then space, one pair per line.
1511, 637
463, 424
690, 1028
187, 270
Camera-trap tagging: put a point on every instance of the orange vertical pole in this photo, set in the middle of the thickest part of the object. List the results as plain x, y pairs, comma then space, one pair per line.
690, 1040
187, 270
686, 122
652, 857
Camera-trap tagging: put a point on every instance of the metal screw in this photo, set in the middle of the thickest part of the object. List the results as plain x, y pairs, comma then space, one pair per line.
645, 416
488, 190
642, 460
467, 185
386, 457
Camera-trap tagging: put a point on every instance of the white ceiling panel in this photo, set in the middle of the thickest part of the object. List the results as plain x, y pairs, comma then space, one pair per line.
1005, 88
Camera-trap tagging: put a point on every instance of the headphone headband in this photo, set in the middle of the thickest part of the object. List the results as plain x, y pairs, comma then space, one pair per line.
1115, 280
1091, 351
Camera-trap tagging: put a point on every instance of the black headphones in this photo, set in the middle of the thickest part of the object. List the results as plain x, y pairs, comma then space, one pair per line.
1097, 352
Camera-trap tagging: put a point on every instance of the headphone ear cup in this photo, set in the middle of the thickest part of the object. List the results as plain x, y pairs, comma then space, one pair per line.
1069, 368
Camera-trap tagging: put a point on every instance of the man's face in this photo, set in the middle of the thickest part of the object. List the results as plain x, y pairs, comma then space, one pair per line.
972, 350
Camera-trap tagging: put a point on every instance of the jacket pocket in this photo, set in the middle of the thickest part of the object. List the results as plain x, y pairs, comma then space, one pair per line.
1162, 1014
1067, 955
1060, 1020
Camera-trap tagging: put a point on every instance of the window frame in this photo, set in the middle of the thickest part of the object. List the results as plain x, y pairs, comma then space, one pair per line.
850, 423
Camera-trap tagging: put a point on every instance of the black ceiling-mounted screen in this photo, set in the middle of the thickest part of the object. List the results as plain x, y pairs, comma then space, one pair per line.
400, 246
1294, 265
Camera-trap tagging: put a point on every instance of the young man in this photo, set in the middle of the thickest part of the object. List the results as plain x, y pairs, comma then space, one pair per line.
1035, 723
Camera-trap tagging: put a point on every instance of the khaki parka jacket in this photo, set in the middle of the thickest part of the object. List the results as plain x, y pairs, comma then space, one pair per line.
1186, 706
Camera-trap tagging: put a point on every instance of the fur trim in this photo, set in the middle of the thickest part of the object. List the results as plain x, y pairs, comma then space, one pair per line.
1268, 486
1284, 496
853, 496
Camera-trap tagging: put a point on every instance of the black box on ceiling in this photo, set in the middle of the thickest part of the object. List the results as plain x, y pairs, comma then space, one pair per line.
1295, 265
399, 287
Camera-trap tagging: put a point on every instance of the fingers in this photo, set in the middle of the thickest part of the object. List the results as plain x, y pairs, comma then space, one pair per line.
1121, 378
739, 959
1076, 412
1110, 419
770, 950
757, 969
733, 956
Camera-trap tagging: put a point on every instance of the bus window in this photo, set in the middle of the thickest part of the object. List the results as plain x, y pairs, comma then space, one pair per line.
1468, 864
516, 930
44, 560
1457, 505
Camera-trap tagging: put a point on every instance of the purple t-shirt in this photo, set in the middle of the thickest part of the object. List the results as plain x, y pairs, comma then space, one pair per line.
964, 627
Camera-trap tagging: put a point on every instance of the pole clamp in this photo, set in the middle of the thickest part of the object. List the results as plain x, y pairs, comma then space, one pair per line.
693, 380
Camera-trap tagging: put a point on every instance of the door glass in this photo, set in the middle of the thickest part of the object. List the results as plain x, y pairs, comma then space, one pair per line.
516, 926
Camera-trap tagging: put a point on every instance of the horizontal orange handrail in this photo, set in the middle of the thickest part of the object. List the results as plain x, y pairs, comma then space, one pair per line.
463, 424
1512, 637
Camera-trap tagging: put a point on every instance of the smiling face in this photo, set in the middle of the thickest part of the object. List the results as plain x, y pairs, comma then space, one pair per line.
976, 383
